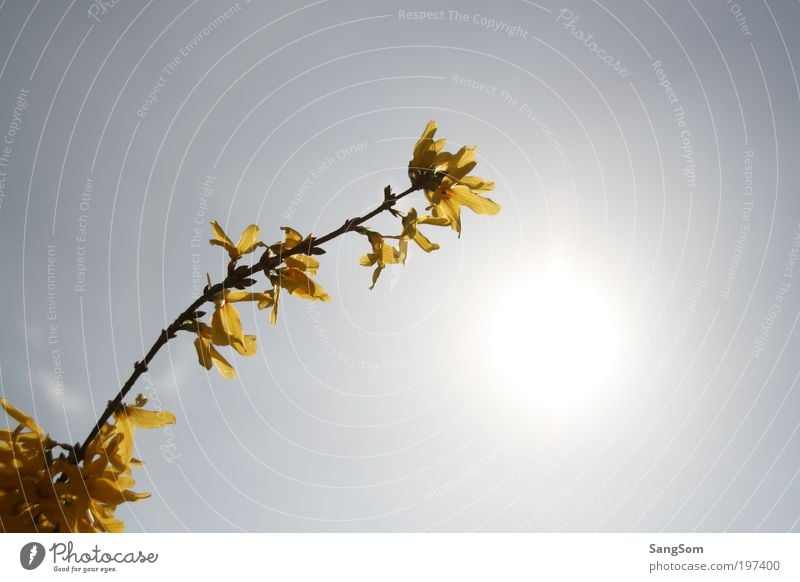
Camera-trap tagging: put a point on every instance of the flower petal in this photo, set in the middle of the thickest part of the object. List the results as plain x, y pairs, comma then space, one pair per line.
268, 300
375, 274
223, 366
297, 283
424, 243
248, 348
238, 296
303, 262
20, 417
273, 316
424, 143
141, 418
451, 211
226, 325
249, 240
461, 164
433, 220
221, 239
208, 355
466, 197
293, 238
368, 260
477, 184
390, 255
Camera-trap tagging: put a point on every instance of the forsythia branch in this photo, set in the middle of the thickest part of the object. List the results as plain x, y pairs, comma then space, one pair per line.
80, 489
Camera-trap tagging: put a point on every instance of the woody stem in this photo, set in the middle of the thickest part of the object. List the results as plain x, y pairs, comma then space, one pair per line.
268, 262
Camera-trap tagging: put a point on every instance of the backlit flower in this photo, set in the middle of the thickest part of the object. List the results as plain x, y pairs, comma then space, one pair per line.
208, 355
428, 157
294, 276
458, 189
382, 254
39, 493
247, 243
411, 231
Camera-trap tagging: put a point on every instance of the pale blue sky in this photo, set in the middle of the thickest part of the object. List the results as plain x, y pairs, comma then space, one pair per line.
381, 411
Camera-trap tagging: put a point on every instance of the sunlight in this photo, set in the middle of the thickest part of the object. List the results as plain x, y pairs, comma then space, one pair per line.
555, 340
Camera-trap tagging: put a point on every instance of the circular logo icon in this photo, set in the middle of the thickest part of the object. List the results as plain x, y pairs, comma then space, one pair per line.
31, 555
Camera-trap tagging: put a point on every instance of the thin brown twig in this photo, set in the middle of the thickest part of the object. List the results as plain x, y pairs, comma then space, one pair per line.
267, 263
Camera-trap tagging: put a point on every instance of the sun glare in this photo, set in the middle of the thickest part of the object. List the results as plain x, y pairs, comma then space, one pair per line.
555, 340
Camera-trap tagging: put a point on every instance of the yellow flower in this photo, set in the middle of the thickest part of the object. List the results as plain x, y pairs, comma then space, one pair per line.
458, 189
24, 479
226, 325
226, 330
411, 232
292, 238
130, 417
382, 254
294, 277
208, 355
427, 159
297, 283
246, 244
39, 493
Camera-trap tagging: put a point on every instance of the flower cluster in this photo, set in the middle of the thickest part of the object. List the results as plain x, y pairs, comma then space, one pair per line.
444, 177
43, 493
446, 181
226, 325
80, 488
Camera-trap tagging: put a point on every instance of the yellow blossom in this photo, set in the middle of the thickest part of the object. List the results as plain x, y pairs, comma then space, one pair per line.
294, 276
411, 232
39, 493
226, 324
382, 254
458, 189
292, 238
297, 283
226, 330
428, 157
247, 243
208, 355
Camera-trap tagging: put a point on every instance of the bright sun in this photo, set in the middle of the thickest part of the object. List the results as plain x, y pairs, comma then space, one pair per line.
555, 340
